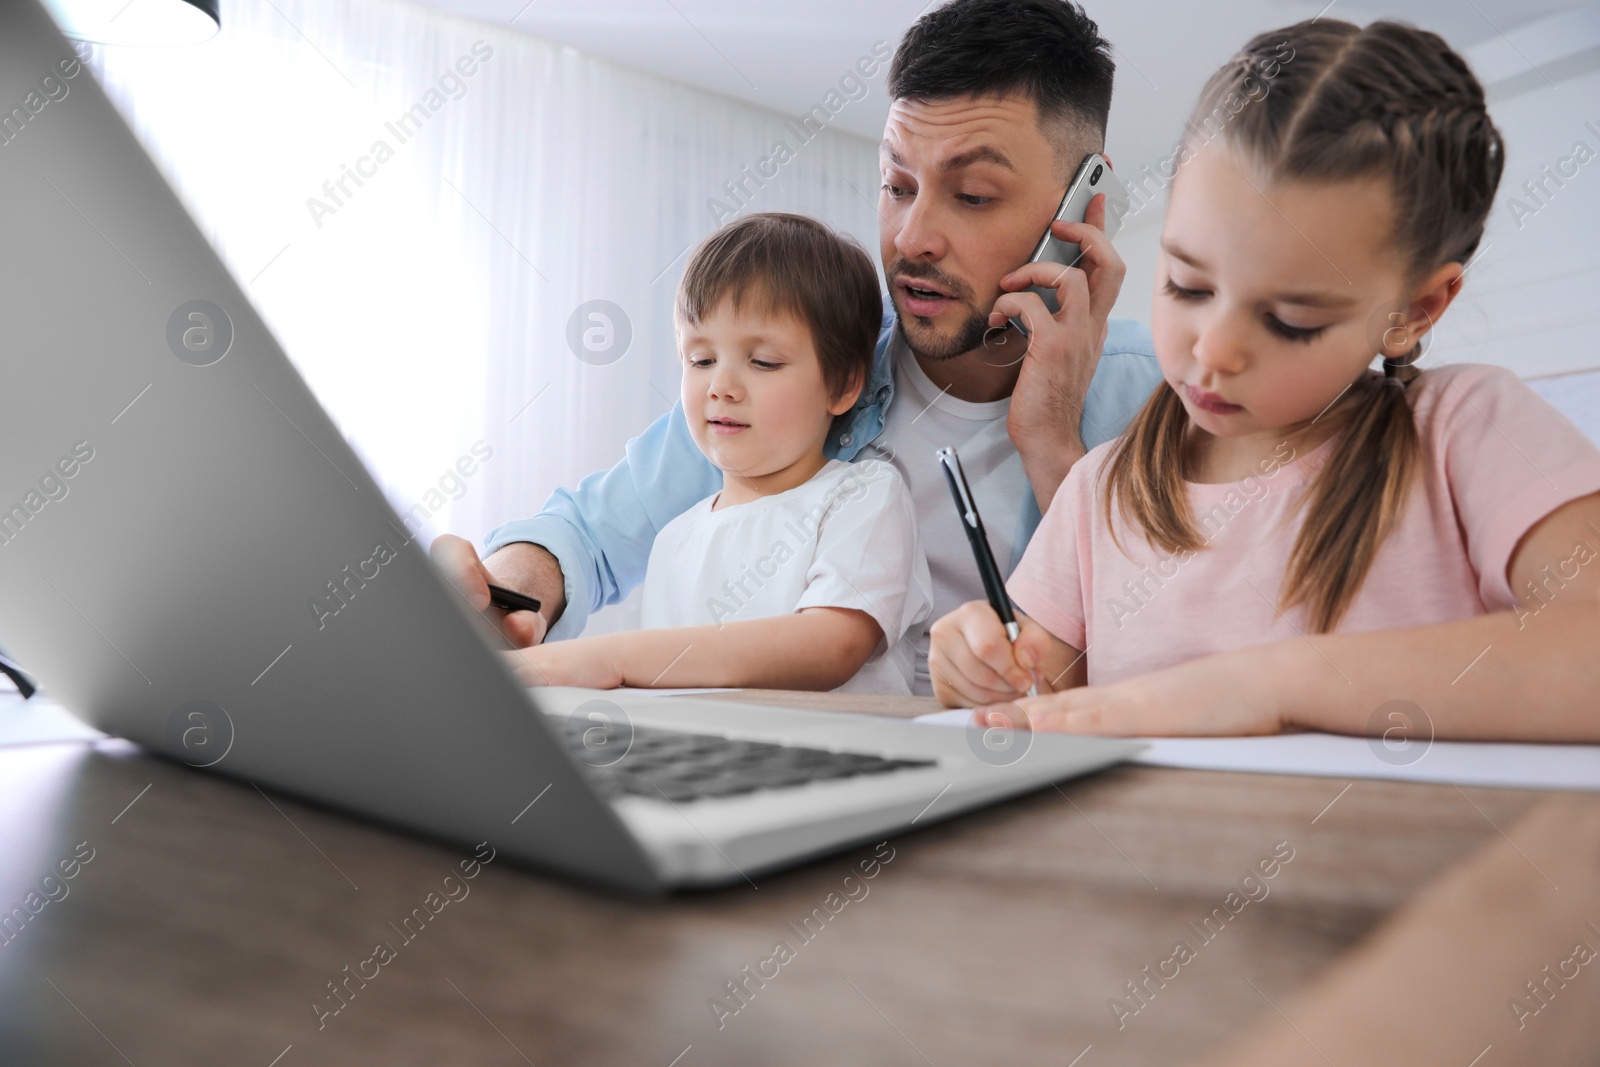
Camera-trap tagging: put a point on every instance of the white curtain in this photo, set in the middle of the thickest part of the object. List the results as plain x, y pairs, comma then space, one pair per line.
428, 305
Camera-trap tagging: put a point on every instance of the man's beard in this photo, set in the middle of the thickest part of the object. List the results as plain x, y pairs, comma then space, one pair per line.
967, 338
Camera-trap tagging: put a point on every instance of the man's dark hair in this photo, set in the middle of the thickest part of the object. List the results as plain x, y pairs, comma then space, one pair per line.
1047, 50
794, 264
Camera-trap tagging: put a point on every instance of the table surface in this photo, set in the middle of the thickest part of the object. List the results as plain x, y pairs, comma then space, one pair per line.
212, 916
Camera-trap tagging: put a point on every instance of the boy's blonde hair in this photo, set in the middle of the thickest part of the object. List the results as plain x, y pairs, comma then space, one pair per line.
1344, 102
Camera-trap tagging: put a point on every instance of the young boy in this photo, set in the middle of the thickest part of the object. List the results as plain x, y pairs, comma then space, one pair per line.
802, 572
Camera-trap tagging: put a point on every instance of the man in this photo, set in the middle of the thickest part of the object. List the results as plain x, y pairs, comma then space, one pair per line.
995, 103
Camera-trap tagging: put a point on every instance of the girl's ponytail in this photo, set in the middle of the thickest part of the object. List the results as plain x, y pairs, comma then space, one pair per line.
1355, 499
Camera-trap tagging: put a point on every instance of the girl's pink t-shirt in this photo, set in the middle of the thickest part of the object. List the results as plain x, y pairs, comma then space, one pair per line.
1497, 459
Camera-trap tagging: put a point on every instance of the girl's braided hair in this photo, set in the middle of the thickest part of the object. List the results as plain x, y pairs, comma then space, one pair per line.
1341, 102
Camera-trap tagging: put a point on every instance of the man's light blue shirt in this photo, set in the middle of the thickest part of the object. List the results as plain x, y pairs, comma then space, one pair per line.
601, 532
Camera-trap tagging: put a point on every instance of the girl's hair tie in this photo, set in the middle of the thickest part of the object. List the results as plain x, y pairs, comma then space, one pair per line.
1402, 374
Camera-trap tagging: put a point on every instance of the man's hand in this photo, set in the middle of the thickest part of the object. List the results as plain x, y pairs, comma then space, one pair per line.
1063, 349
459, 561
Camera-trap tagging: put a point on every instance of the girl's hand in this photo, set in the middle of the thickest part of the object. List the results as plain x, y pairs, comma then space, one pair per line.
1230, 694
973, 662
579, 662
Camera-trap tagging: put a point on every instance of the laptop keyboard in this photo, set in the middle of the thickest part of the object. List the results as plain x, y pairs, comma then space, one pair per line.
683, 767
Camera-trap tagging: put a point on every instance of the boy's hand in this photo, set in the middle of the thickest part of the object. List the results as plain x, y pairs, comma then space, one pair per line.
973, 662
583, 662
459, 561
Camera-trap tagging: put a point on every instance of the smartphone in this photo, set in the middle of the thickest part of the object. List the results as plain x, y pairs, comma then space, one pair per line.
510, 599
1094, 177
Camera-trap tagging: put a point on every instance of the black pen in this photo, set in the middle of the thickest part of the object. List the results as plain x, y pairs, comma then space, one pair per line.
988, 570
510, 599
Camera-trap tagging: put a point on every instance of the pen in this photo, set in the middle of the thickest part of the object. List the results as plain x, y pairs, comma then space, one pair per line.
510, 599
993, 586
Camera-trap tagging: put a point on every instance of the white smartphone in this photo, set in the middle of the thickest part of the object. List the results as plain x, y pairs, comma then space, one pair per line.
1094, 177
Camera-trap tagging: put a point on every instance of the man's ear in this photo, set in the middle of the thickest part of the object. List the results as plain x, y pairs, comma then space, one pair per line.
852, 391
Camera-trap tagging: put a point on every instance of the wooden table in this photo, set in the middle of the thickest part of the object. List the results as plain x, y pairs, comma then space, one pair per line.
212, 916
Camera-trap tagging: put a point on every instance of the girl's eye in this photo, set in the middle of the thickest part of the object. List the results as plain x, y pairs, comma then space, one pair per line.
701, 361
974, 199
764, 364
895, 192
1179, 293
1302, 334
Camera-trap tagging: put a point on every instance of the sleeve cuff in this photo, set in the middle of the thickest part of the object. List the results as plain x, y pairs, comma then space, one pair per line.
1063, 626
555, 536
1541, 497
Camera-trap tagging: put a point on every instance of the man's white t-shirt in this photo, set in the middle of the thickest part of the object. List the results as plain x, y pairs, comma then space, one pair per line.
922, 420
847, 538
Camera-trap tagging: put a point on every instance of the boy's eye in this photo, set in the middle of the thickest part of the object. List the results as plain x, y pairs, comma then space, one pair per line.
701, 361
1179, 293
1303, 334
895, 192
974, 199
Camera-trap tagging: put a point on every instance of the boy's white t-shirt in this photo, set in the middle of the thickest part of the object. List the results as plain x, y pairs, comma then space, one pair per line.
846, 538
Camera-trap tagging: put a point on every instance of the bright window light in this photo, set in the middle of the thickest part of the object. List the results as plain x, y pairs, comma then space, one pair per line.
137, 22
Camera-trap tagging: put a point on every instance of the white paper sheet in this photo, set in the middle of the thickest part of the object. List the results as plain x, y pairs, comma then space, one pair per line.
1336, 756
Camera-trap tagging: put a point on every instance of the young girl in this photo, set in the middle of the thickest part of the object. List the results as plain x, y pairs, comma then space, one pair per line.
1285, 538
801, 572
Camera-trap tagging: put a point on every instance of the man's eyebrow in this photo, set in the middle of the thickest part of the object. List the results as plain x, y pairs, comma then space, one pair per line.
1305, 299
981, 154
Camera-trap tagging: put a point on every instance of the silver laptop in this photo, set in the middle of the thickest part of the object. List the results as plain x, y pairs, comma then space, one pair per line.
191, 557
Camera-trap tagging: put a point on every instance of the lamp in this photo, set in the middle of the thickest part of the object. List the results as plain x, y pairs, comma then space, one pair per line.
137, 22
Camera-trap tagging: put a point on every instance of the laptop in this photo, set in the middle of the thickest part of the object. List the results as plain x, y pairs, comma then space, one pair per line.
191, 557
